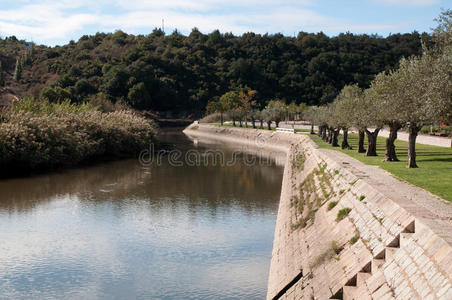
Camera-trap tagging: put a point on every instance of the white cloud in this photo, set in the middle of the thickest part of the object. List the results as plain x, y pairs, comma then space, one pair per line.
410, 2
53, 22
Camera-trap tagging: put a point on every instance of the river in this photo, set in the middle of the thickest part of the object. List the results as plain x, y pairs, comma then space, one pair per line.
128, 230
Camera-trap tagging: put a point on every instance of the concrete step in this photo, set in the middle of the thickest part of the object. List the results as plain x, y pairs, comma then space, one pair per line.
362, 293
376, 264
349, 293
405, 238
361, 278
389, 253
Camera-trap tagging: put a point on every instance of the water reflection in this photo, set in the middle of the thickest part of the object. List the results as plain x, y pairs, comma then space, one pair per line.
121, 230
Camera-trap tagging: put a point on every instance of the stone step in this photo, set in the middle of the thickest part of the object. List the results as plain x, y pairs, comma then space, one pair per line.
362, 293
376, 280
349, 293
376, 264
361, 278
389, 252
405, 238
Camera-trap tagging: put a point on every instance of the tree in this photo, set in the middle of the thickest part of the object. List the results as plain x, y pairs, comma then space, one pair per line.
18, 69
277, 109
139, 96
2, 76
425, 94
333, 123
247, 103
311, 114
344, 110
268, 116
369, 114
55, 94
230, 102
385, 89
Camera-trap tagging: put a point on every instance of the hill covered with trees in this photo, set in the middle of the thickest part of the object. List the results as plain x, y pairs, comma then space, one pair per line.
182, 74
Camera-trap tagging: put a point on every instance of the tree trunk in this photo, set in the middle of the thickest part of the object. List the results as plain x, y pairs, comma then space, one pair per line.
413, 131
312, 128
372, 142
240, 123
330, 135
345, 144
262, 124
390, 154
221, 119
277, 123
233, 122
269, 125
335, 134
361, 142
324, 136
254, 123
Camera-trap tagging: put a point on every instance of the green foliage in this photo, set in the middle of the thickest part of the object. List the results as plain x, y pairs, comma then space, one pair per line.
184, 73
18, 69
55, 94
332, 205
343, 213
45, 134
138, 96
354, 239
2, 76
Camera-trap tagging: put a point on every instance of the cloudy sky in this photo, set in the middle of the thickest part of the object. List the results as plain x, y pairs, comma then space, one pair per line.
57, 22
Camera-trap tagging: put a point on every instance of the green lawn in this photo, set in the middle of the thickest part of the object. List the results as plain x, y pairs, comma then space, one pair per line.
257, 126
237, 125
435, 164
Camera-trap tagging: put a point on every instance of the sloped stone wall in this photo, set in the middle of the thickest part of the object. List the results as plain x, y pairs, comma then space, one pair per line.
346, 230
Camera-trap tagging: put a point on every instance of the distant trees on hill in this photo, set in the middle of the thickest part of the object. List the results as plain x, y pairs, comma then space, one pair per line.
183, 73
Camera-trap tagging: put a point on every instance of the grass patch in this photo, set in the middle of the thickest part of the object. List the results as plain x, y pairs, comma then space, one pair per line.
299, 161
302, 130
354, 239
237, 125
435, 163
331, 205
362, 197
343, 213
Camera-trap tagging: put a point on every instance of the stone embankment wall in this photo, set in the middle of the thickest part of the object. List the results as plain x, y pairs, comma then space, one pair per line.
346, 230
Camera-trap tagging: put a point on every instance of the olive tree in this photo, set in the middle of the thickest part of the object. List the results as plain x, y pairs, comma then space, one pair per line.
386, 90
230, 102
277, 110
311, 114
344, 110
369, 113
425, 94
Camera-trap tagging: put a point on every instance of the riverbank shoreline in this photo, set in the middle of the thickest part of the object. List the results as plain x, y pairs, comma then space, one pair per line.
345, 229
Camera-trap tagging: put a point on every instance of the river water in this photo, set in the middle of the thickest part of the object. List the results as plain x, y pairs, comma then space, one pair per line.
124, 230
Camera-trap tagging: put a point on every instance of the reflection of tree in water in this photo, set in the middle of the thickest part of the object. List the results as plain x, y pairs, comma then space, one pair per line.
252, 188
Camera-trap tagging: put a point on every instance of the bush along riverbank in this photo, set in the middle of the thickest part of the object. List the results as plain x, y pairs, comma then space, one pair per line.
42, 135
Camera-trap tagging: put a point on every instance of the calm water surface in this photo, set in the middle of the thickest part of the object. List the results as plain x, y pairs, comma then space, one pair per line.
122, 231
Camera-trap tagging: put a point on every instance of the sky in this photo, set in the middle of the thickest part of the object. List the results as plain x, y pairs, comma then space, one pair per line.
52, 22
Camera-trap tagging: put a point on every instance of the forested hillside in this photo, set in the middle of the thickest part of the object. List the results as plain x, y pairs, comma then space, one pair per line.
181, 73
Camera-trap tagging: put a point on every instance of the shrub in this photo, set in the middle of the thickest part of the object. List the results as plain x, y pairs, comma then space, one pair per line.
343, 213
214, 118
354, 239
44, 134
331, 205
